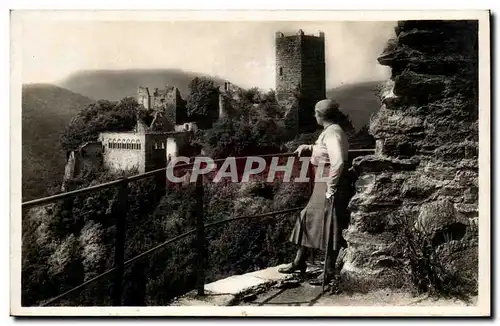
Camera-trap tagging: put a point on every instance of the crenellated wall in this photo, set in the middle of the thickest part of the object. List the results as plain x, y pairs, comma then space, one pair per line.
425, 168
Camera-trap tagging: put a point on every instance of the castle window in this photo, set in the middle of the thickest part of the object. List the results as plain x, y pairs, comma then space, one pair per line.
162, 145
186, 126
139, 146
156, 145
281, 71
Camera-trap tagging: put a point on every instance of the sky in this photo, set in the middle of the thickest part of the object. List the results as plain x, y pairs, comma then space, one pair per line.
241, 52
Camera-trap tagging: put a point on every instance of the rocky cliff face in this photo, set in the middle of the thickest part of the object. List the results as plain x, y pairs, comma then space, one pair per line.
417, 196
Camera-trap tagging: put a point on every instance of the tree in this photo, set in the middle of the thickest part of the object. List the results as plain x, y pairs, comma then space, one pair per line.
267, 136
269, 105
203, 100
239, 138
98, 117
225, 138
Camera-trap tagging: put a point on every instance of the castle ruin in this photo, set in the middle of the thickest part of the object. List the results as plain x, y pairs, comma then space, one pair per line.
148, 146
300, 74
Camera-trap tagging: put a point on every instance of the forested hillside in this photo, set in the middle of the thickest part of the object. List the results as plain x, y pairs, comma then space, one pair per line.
46, 110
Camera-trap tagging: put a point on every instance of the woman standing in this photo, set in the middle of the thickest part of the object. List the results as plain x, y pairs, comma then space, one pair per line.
319, 224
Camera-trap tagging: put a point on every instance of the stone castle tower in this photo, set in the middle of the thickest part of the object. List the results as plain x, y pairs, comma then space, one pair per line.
300, 67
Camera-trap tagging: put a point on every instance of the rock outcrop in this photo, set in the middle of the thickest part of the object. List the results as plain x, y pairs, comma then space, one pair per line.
424, 172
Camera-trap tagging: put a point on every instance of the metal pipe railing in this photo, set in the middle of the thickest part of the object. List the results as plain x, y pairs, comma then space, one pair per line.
163, 244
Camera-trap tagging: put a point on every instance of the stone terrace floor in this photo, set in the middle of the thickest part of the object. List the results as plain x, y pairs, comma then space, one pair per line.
268, 287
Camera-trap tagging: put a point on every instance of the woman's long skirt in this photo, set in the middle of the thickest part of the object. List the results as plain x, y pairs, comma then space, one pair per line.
323, 217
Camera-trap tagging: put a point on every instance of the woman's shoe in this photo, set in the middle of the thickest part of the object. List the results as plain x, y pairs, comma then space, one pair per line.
320, 279
335, 289
301, 267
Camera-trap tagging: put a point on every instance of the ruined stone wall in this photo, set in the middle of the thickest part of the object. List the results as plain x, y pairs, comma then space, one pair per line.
223, 105
313, 83
300, 70
313, 69
90, 155
87, 157
187, 126
156, 147
123, 151
143, 151
425, 169
69, 170
168, 101
288, 65
143, 97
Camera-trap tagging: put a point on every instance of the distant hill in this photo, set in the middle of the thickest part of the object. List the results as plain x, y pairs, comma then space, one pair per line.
359, 101
46, 110
114, 85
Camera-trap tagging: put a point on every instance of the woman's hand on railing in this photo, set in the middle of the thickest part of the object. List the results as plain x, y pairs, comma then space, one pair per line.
302, 148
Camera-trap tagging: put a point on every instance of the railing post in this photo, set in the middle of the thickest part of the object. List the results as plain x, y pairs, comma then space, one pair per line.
200, 238
120, 215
